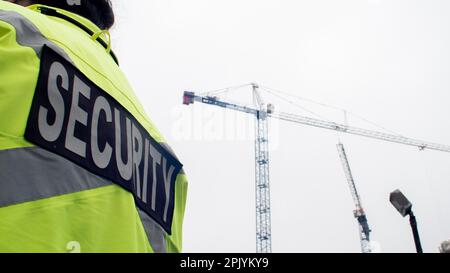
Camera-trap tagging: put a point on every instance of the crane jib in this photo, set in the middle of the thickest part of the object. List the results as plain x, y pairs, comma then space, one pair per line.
72, 117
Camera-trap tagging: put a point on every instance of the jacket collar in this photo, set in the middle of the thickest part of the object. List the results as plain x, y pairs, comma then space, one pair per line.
89, 27
80, 19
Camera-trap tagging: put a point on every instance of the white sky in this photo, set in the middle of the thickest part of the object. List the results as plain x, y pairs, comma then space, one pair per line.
388, 61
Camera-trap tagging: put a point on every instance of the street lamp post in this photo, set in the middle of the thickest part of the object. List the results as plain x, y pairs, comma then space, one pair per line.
402, 204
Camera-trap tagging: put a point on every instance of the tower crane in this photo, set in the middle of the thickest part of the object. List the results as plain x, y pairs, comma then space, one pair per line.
262, 112
360, 215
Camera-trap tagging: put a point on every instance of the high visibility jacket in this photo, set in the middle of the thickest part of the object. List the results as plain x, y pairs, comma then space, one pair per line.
82, 168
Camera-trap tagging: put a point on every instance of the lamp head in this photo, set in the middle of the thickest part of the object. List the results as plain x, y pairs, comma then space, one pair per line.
400, 202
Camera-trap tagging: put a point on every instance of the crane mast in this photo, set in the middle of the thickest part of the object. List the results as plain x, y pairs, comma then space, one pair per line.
262, 184
360, 215
261, 112
263, 222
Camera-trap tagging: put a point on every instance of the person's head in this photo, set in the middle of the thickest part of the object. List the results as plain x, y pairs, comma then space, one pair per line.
98, 11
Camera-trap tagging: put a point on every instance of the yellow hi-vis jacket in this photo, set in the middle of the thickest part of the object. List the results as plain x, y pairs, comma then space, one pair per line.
82, 168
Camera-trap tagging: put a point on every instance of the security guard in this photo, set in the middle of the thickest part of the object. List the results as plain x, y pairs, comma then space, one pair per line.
82, 169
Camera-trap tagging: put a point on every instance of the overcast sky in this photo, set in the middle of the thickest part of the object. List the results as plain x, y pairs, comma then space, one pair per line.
388, 61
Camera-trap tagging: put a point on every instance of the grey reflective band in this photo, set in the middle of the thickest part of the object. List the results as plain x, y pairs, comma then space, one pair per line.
27, 34
30, 174
155, 234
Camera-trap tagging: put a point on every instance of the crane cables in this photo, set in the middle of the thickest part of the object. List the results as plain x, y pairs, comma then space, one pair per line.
294, 101
283, 96
223, 90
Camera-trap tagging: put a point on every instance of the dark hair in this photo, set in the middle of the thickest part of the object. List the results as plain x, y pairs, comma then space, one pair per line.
100, 12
